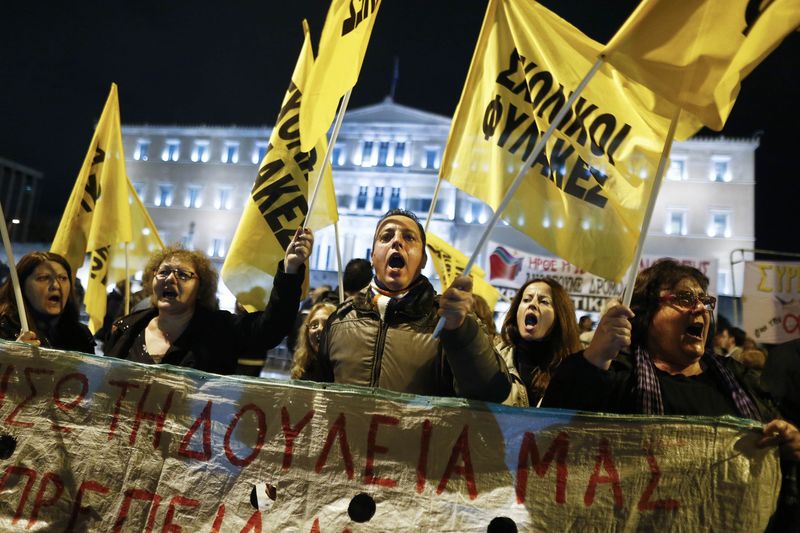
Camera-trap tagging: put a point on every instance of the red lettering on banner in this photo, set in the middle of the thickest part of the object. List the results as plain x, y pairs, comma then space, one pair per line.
141, 495
262, 431
124, 386
655, 475
40, 501
77, 508
205, 420
254, 524
158, 418
215, 527
67, 406
558, 450
169, 525
315, 526
460, 448
606, 460
791, 323
11, 419
373, 448
19, 471
290, 433
4, 383
338, 428
424, 448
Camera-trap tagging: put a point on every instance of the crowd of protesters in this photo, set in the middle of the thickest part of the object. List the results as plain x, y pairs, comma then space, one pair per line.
660, 356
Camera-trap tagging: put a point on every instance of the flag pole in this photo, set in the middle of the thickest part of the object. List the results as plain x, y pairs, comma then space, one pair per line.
12, 270
433, 202
521, 174
127, 306
325, 160
339, 261
648, 214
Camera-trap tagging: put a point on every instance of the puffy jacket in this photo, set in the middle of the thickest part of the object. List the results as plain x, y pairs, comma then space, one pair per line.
65, 336
399, 354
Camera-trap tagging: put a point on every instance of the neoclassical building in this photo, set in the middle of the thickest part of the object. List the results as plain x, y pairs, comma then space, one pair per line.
195, 181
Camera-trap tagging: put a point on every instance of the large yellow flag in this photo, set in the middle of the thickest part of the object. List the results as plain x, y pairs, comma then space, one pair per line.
694, 53
278, 201
344, 41
97, 216
584, 197
449, 264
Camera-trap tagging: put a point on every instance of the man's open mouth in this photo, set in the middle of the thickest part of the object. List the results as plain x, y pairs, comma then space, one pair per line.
396, 261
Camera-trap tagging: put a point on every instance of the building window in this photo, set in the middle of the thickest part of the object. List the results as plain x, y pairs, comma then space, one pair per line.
476, 212
366, 154
677, 169
259, 152
377, 200
230, 154
200, 151
720, 224
720, 169
223, 198
172, 150
192, 199
337, 157
419, 206
432, 157
138, 186
361, 201
394, 199
344, 201
676, 222
142, 149
399, 154
216, 248
383, 153
164, 198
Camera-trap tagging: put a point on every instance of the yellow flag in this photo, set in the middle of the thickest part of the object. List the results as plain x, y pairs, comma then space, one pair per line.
449, 264
584, 197
694, 53
97, 215
278, 201
344, 41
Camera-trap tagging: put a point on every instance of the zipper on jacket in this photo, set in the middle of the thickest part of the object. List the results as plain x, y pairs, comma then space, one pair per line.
378, 356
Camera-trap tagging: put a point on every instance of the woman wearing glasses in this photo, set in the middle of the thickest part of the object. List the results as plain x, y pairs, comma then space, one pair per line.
184, 326
46, 281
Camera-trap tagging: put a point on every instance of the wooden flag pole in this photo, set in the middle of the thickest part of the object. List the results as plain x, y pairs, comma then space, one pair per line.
12, 268
648, 214
521, 174
339, 261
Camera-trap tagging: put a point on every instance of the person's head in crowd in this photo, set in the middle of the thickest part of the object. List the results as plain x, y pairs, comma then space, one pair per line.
398, 250
357, 275
542, 319
485, 313
46, 281
50, 307
585, 324
672, 314
749, 343
310, 334
732, 337
182, 280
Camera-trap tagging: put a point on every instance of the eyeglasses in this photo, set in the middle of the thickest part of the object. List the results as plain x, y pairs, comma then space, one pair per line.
183, 275
688, 300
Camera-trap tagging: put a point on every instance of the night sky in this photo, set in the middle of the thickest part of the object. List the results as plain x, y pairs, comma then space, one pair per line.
224, 63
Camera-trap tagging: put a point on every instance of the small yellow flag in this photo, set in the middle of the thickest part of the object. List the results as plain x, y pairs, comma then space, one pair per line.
278, 201
584, 197
694, 53
450, 263
344, 41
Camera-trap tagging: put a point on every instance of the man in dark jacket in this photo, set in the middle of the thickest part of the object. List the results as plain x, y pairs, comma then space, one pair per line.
382, 337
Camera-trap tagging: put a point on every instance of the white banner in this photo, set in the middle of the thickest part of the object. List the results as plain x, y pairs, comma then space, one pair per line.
771, 301
98, 444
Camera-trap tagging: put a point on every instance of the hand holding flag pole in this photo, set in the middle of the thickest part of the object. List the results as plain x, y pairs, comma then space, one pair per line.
12, 268
521, 174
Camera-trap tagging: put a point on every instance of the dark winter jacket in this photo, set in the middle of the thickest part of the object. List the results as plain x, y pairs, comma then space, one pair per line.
64, 336
214, 340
